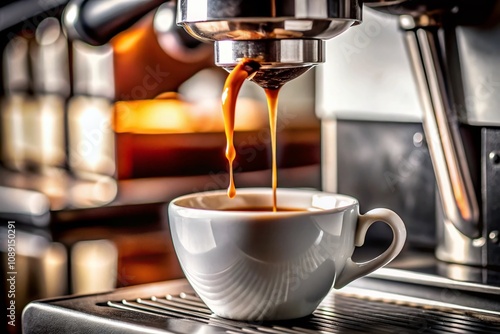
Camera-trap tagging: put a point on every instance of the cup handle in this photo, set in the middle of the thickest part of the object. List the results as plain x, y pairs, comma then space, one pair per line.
354, 270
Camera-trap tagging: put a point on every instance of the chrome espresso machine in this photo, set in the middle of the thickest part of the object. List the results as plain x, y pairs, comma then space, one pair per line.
433, 63
408, 98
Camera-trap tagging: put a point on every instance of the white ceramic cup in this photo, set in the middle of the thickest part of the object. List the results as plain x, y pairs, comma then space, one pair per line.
263, 265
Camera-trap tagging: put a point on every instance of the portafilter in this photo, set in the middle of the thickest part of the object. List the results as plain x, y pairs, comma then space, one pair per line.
285, 37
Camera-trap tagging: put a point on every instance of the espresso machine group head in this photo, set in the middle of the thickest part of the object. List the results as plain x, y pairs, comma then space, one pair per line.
286, 37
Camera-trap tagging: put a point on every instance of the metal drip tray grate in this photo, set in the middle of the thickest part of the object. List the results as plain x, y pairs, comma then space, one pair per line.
368, 305
339, 313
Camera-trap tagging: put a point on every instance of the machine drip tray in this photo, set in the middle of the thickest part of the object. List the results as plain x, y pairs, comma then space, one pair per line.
422, 268
341, 312
392, 300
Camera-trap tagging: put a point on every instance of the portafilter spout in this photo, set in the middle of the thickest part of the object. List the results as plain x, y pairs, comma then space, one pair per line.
286, 37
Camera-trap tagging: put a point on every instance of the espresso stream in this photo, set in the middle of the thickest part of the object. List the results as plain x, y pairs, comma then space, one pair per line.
245, 69
229, 95
272, 105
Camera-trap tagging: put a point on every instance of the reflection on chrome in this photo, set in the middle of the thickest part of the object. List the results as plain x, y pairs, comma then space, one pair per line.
12, 141
413, 301
91, 141
96, 191
94, 266
54, 270
25, 202
51, 120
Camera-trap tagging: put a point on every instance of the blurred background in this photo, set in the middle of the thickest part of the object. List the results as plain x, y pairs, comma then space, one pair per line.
103, 121
96, 139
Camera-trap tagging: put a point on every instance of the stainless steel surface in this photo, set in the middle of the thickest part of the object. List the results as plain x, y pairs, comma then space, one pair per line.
284, 34
356, 309
454, 69
478, 49
453, 246
368, 306
440, 125
93, 72
281, 60
271, 53
380, 164
401, 275
412, 7
430, 12
15, 63
477, 34
367, 75
490, 178
243, 20
422, 268
180, 45
49, 59
458, 199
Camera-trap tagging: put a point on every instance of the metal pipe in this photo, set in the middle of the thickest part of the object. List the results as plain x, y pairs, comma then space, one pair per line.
454, 181
97, 21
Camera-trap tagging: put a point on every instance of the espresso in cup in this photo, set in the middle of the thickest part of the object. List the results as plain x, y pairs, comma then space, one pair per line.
247, 262
263, 209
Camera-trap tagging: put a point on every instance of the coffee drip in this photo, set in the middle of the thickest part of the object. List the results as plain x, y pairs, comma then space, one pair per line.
251, 69
234, 81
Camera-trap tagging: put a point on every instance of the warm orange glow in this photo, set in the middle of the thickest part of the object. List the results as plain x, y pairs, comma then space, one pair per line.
127, 41
152, 116
462, 203
93, 266
168, 96
168, 114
